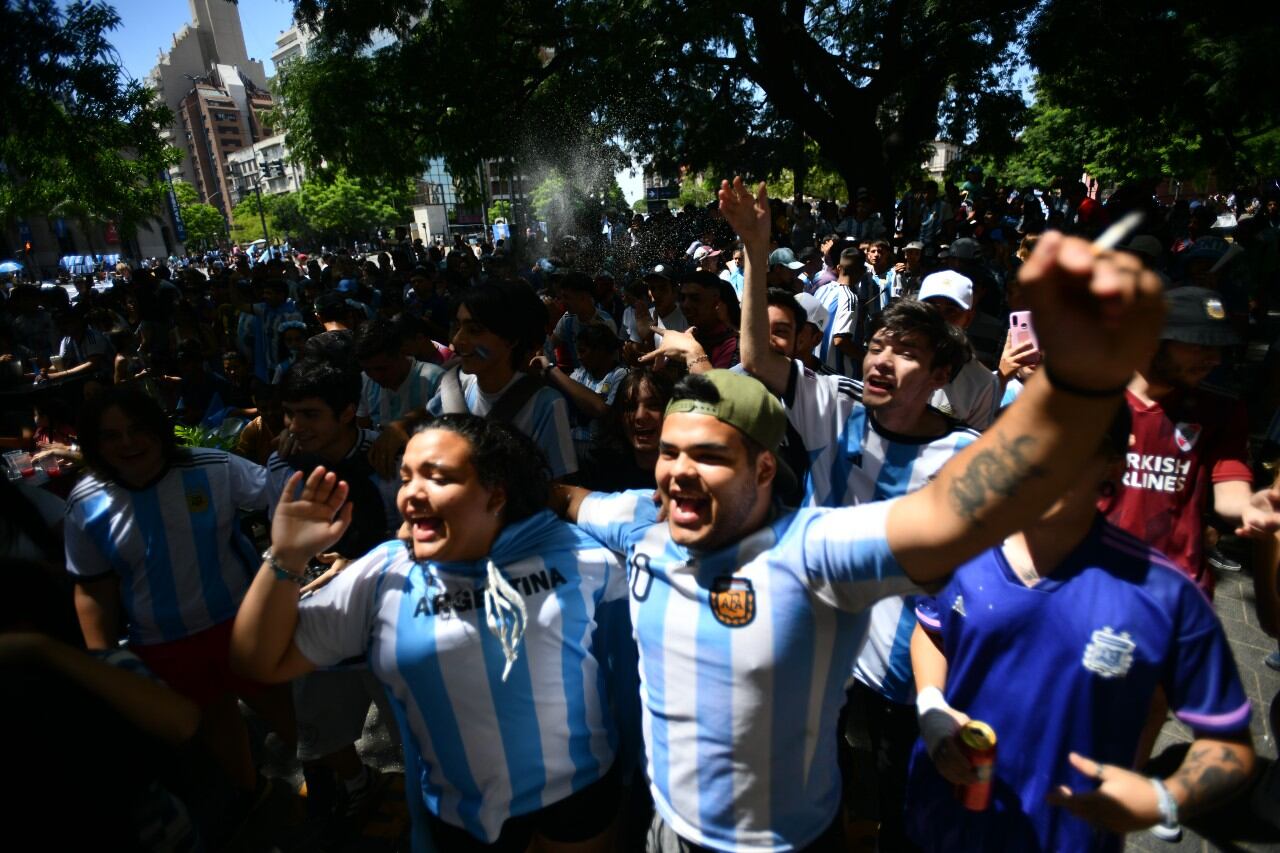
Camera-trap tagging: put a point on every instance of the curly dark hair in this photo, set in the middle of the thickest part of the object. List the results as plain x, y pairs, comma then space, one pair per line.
502, 456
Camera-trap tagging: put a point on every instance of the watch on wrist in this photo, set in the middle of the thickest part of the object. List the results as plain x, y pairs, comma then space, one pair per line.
281, 573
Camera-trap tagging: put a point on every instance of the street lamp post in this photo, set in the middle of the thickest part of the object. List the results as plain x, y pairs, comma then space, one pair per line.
257, 188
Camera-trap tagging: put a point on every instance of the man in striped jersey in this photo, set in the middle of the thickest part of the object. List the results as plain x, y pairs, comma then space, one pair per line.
393, 383
319, 401
866, 442
744, 614
841, 348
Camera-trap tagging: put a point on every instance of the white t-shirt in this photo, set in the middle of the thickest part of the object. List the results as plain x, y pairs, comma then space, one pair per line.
970, 397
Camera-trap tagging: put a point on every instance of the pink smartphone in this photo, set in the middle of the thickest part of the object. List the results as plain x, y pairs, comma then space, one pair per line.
1021, 330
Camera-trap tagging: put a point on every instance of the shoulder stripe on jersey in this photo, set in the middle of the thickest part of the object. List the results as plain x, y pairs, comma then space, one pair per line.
88, 486
1219, 722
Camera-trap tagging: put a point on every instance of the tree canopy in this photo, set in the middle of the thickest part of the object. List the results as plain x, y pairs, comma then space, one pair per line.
77, 137
204, 222
1172, 87
335, 205
719, 85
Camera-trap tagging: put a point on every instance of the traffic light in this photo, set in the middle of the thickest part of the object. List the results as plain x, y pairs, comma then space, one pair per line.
27, 247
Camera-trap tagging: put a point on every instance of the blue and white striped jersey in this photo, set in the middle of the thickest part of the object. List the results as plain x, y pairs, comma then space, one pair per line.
744, 652
1011, 392
383, 406
606, 386
545, 419
478, 749
852, 458
568, 327
842, 320
176, 545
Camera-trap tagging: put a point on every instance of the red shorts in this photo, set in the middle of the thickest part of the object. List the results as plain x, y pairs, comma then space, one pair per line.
197, 666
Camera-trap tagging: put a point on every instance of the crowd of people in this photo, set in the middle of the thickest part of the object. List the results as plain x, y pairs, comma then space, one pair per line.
725, 531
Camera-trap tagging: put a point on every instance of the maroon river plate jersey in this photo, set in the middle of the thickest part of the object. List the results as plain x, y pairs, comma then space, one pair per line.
1180, 447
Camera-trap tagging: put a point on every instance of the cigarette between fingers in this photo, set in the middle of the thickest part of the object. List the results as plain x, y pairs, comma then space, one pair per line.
1118, 232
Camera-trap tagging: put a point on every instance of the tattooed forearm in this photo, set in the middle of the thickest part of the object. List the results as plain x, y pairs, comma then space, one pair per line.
1211, 772
996, 472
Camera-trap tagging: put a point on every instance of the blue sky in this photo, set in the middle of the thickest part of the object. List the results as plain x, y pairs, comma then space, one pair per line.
147, 27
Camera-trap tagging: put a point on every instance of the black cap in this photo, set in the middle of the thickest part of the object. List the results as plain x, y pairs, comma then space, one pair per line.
1197, 316
662, 271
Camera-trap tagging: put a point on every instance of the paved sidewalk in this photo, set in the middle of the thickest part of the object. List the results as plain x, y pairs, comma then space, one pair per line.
1239, 827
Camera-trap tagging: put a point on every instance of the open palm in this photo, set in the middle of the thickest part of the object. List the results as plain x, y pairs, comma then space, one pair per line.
313, 521
748, 214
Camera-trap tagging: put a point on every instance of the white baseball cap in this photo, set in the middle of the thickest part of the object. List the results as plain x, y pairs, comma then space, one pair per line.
949, 284
815, 312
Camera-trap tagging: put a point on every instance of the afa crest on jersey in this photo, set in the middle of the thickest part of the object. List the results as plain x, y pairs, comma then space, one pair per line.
1186, 435
1109, 654
733, 601
197, 501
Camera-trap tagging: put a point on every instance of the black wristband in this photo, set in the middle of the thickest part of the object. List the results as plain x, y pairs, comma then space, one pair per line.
1090, 393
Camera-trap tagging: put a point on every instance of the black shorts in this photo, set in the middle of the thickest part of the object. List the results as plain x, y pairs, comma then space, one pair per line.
578, 817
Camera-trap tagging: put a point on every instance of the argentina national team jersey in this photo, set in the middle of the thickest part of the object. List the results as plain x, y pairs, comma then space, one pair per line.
852, 458
383, 405
1070, 664
479, 750
176, 546
842, 321
545, 419
744, 652
606, 387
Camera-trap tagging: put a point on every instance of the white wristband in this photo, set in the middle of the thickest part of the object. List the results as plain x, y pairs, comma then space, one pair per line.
929, 699
1165, 802
936, 723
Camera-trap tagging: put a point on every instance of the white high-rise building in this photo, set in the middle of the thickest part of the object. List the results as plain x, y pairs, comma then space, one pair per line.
213, 38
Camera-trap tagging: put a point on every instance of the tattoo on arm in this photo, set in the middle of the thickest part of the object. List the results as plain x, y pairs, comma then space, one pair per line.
995, 472
1208, 774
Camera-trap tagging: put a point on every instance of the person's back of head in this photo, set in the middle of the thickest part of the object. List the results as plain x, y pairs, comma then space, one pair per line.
378, 337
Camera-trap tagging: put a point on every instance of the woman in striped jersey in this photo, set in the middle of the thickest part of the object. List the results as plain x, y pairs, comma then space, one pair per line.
492, 628
153, 530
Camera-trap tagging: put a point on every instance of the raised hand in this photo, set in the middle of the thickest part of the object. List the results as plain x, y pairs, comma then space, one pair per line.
1014, 358
313, 521
748, 214
1261, 518
679, 345
1098, 314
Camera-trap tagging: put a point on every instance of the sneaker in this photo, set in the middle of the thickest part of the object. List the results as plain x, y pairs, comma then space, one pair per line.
1273, 660
1172, 834
1221, 561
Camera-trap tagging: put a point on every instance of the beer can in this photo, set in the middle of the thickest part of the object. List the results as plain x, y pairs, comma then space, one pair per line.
978, 745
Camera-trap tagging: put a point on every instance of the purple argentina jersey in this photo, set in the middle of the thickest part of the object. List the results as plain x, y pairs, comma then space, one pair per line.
1068, 665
